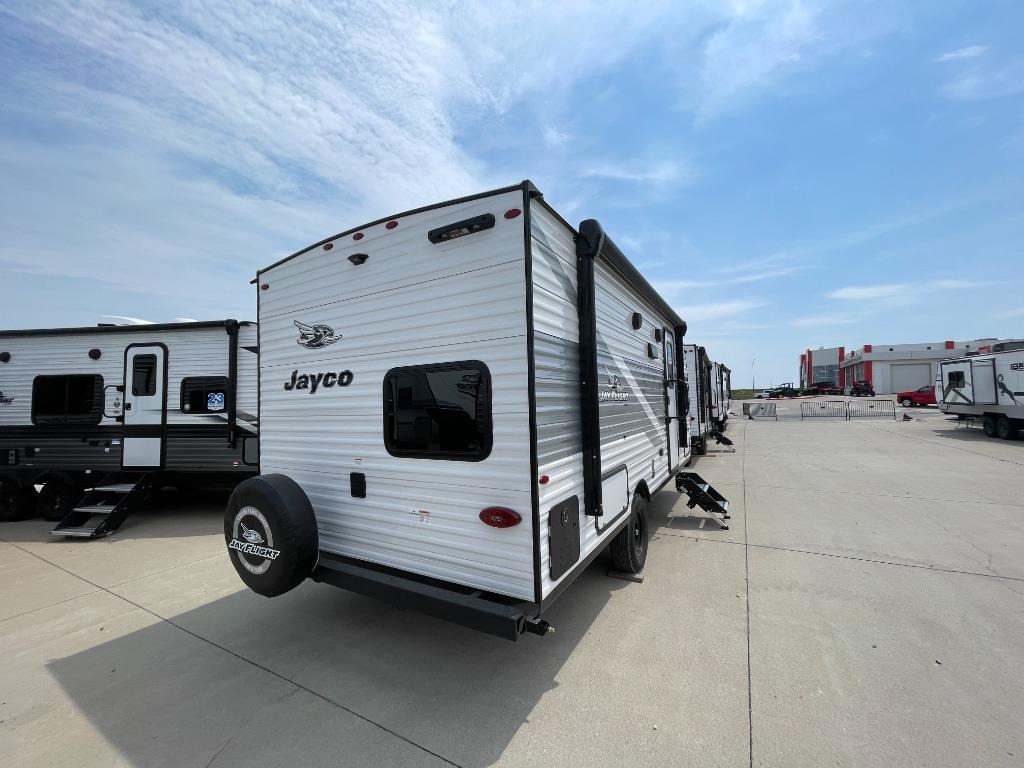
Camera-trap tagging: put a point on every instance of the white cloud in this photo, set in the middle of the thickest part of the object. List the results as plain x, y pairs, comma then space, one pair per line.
970, 52
717, 311
665, 172
816, 321
900, 290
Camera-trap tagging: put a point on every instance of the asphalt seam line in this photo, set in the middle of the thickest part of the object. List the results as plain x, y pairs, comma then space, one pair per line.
935, 568
746, 564
238, 656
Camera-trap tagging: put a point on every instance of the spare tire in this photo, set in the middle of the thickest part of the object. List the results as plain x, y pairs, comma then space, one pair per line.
271, 533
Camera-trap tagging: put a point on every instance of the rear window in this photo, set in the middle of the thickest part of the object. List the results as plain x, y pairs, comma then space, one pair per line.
75, 399
440, 411
204, 394
956, 379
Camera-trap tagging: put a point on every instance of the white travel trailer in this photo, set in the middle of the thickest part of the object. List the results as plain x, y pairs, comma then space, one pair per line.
987, 386
460, 407
102, 415
721, 396
699, 393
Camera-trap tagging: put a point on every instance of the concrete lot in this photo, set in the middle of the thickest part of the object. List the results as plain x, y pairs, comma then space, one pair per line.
865, 609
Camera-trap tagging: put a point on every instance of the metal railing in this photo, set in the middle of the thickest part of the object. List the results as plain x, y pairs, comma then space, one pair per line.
757, 410
860, 409
848, 409
834, 409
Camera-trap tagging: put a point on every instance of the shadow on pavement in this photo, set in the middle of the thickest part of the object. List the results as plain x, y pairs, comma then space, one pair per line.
164, 697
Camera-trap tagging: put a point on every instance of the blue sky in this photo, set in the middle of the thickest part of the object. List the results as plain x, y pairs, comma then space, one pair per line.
788, 174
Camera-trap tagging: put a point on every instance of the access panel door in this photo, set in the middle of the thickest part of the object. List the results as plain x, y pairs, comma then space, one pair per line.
145, 406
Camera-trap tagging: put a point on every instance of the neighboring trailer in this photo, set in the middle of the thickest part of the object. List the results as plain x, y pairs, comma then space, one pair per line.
461, 407
721, 396
700, 393
990, 387
174, 403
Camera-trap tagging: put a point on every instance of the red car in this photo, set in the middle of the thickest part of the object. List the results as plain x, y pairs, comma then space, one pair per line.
922, 396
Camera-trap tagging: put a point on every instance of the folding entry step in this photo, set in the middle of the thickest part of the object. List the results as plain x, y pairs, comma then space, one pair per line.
720, 438
703, 495
105, 506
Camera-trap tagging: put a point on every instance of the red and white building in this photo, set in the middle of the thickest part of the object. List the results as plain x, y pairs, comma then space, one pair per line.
889, 368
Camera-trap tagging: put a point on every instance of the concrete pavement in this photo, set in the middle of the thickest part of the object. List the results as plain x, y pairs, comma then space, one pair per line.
865, 608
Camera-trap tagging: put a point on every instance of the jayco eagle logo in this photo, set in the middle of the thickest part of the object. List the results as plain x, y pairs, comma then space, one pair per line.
5, 399
316, 336
614, 391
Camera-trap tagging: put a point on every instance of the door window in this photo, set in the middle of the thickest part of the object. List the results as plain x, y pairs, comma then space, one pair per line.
956, 379
144, 375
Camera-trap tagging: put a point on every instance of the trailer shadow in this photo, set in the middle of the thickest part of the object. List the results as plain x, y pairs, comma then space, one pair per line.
969, 435
326, 672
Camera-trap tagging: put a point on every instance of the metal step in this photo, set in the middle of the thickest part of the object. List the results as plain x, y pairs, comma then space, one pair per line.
79, 532
116, 488
96, 509
720, 438
701, 494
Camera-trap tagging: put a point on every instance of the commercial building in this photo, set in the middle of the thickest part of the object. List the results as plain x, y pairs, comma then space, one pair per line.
822, 365
889, 368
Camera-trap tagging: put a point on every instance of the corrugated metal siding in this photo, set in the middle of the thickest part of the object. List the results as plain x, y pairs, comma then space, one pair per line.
410, 303
633, 432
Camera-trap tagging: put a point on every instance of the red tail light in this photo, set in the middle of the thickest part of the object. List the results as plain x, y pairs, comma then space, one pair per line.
391, 224
500, 517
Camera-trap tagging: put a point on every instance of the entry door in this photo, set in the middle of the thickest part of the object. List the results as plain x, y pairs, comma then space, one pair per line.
145, 406
673, 411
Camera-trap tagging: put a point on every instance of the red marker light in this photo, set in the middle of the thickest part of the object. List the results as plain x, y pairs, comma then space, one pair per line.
357, 236
328, 246
265, 286
511, 213
391, 224
500, 517
544, 479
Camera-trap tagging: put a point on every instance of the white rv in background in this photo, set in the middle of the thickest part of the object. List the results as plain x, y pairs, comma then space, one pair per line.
461, 407
101, 415
721, 395
699, 396
989, 387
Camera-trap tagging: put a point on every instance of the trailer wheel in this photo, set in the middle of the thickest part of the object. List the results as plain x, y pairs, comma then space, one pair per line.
988, 425
1006, 429
57, 499
629, 547
271, 533
16, 502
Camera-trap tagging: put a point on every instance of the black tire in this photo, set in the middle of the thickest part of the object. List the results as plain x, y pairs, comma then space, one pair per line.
57, 499
988, 425
16, 502
1006, 429
906, 402
271, 533
629, 547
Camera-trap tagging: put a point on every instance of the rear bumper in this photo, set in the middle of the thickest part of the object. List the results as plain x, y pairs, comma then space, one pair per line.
451, 602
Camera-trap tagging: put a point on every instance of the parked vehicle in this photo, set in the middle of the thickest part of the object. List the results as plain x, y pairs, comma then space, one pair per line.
921, 396
764, 394
699, 394
785, 390
721, 395
862, 389
121, 410
822, 388
470, 458
990, 387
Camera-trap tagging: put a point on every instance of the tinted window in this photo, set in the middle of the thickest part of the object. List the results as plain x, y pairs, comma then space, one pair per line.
956, 379
67, 400
144, 375
438, 411
204, 394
